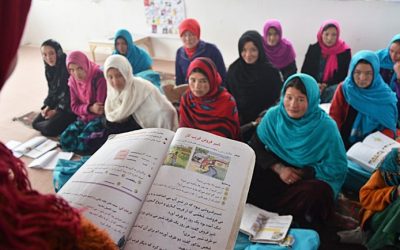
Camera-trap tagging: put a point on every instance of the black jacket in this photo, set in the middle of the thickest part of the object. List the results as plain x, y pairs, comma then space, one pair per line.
312, 60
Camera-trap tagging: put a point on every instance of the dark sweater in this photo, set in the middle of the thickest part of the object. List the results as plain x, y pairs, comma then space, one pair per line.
203, 50
312, 64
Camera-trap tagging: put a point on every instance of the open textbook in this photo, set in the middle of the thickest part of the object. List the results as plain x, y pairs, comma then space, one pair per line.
49, 160
263, 226
370, 153
34, 147
156, 189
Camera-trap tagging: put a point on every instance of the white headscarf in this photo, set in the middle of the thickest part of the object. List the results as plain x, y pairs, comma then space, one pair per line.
139, 98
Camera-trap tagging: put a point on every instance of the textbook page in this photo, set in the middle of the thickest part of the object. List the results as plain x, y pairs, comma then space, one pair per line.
366, 156
381, 141
30, 144
198, 196
49, 160
113, 183
41, 149
372, 151
263, 226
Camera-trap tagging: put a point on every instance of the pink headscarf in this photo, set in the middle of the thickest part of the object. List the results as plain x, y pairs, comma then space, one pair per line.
330, 52
83, 87
282, 54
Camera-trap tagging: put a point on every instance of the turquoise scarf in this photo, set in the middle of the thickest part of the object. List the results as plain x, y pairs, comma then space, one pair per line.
311, 141
384, 56
138, 57
376, 105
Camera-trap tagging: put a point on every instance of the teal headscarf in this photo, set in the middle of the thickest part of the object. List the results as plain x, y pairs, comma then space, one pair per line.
390, 169
384, 55
311, 141
376, 105
138, 57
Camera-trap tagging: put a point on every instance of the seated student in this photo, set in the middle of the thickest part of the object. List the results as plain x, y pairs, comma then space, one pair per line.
363, 103
395, 86
56, 112
193, 47
252, 80
139, 58
133, 103
30, 220
388, 57
328, 59
206, 105
88, 93
380, 202
279, 50
300, 158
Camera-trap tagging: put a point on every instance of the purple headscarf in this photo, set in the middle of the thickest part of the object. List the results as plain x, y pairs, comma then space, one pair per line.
282, 54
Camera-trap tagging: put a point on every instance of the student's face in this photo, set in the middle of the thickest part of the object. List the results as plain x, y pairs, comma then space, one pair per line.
363, 75
189, 40
272, 37
249, 52
295, 103
394, 52
49, 55
199, 84
329, 36
116, 79
121, 46
77, 71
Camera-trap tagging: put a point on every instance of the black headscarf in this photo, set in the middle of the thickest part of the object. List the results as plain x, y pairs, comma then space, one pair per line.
58, 96
255, 87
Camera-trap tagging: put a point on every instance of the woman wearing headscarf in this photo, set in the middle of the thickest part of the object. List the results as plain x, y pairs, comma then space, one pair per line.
193, 47
380, 205
363, 103
30, 220
279, 50
300, 158
139, 58
88, 93
56, 112
328, 60
133, 103
206, 105
252, 80
388, 58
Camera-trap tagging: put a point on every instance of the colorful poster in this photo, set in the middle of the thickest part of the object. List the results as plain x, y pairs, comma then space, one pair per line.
164, 16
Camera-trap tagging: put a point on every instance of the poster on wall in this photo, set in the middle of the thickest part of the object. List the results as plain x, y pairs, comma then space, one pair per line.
164, 16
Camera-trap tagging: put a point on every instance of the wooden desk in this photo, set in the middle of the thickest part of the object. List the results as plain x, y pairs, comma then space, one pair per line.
140, 40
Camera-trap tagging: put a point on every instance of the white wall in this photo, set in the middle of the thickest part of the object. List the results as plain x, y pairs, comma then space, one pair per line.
365, 24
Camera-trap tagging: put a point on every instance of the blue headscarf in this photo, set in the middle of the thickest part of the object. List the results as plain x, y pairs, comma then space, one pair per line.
311, 141
384, 55
390, 169
376, 105
138, 57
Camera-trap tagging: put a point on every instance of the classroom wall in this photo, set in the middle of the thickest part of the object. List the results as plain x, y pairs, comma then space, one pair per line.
365, 24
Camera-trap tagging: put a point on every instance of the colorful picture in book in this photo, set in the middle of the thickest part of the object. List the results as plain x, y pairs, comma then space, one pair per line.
164, 16
209, 163
178, 156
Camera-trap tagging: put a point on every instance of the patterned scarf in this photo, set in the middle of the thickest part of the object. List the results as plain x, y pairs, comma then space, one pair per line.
215, 112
